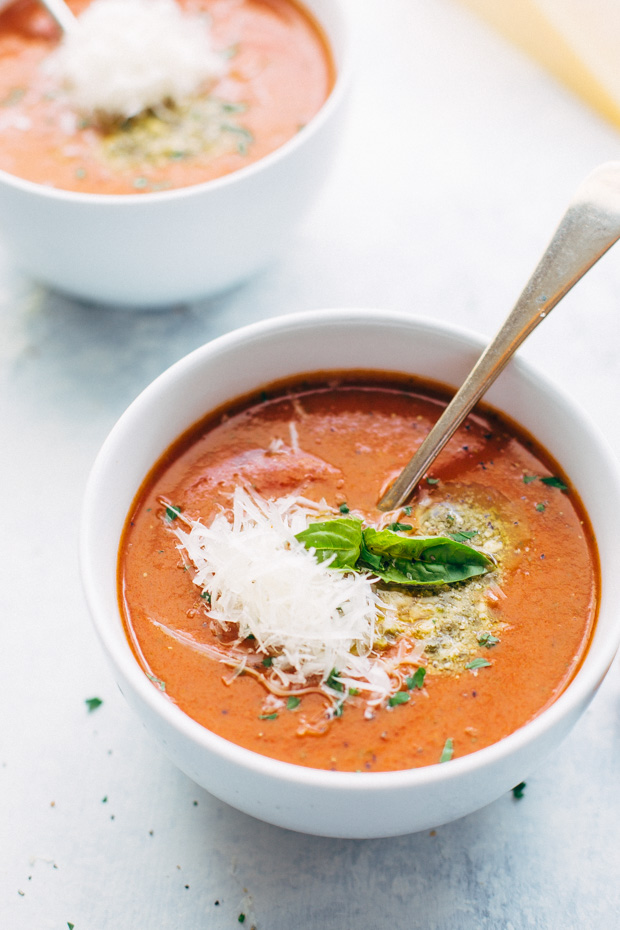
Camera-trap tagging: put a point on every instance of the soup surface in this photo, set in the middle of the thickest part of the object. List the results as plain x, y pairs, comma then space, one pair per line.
279, 73
468, 659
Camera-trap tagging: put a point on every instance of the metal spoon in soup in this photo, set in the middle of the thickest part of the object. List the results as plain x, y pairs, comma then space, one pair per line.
588, 229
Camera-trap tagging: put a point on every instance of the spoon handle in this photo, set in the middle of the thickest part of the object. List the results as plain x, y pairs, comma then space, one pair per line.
61, 14
588, 229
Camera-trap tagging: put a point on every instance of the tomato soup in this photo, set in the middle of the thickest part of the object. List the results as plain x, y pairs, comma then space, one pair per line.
278, 74
469, 658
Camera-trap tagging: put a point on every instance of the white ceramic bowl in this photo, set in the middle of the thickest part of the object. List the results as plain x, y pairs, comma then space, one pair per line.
324, 802
155, 249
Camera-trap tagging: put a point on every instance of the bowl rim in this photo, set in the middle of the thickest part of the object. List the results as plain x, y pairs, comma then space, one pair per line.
577, 693
343, 72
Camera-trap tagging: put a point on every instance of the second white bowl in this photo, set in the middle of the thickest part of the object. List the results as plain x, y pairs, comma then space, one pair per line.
156, 249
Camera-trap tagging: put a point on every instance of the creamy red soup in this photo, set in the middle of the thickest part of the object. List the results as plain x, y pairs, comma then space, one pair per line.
468, 659
279, 73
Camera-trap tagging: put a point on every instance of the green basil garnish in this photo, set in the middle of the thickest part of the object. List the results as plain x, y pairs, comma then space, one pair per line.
421, 560
340, 539
405, 560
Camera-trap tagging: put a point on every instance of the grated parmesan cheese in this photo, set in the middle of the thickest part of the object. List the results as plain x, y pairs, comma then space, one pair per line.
263, 581
124, 56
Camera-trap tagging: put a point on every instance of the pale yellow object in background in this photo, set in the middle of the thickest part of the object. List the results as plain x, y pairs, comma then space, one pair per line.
578, 41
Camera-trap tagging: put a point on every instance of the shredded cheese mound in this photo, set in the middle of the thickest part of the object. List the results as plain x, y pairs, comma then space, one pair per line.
266, 584
125, 56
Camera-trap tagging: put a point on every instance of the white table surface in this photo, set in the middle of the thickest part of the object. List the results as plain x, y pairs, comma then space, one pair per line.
457, 159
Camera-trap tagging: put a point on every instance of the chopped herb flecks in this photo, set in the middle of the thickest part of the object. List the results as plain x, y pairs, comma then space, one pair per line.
463, 536
400, 527
292, 702
517, 791
343, 508
157, 681
432, 480
540, 508
172, 512
487, 639
448, 750
332, 681
267, 661
93, 703
478, 662
401, 697
417, 679
13, 97
272, 716
554, 482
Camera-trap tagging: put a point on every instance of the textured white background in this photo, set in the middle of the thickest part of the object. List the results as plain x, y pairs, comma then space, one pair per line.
457, 159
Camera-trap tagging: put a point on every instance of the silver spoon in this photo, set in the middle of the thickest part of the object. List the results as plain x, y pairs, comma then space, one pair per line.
61, 13
588, 229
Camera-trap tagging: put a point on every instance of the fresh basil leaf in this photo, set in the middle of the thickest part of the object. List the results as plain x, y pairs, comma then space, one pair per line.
406, 560
368, 561
421, 560
339, 540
